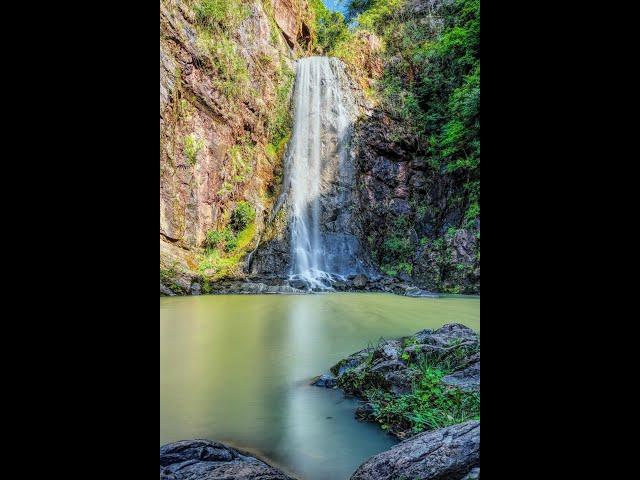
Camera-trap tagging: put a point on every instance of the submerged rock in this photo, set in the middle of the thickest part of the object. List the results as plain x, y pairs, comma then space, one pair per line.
417, 292
325, 380
364, 411
207, 460
447, 453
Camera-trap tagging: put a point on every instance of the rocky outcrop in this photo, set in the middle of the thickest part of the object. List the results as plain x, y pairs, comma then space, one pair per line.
394, 367
451, 453
293, 24
388, 363
206, 460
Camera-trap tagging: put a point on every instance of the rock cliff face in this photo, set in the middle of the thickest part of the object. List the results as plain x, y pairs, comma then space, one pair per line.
224, 90
406, 204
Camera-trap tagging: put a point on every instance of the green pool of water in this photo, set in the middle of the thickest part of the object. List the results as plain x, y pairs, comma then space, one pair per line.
236, 368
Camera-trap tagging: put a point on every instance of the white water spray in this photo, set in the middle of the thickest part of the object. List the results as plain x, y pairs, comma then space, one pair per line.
317, 148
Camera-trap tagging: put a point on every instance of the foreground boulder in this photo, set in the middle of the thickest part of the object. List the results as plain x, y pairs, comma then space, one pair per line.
206, 460
388, 365
451, 453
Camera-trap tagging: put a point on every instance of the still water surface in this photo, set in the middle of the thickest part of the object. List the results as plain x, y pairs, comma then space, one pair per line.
236, 368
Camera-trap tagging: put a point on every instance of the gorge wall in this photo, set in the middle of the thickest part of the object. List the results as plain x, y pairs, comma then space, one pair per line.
408, 199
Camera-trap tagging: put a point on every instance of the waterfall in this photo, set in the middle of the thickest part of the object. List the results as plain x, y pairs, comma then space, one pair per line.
318, 163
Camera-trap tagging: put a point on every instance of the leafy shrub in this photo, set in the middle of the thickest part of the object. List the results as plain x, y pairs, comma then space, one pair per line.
330, 27
396, 254
242, 216
211, 12
220, 239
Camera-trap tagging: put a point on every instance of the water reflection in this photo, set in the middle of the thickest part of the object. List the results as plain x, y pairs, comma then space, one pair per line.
236, 369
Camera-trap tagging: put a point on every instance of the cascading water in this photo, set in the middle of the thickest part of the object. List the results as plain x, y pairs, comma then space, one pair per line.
318, 157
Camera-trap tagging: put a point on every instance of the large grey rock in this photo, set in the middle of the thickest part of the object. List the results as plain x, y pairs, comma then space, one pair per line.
446, 335
207, 460
393, 367
360, 281
450, 453
465, 379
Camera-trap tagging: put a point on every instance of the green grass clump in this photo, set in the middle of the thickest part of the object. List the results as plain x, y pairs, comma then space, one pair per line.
231, 74
222, 14
430, 405
279, 121
242, 158
191, 147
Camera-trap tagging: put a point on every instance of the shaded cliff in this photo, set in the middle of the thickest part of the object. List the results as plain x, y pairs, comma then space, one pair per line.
417, 152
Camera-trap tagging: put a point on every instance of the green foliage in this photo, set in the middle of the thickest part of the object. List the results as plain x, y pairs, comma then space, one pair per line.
168, 278
330, 27
395, 255
225, 190
224, 252
221, 239
242, 216
356, 7
215, 20
280, 120
449, 89
242, 156
211, 12
231, 73
191, 147
207, 286
222, 14
430, 87
430, 405
471, 214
